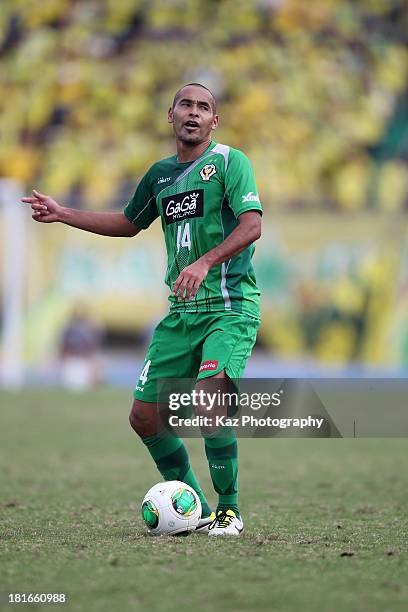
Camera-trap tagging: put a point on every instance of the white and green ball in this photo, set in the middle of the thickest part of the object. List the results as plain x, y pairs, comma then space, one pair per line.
171, 508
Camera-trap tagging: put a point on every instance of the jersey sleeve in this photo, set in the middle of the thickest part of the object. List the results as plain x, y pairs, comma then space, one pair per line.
240, 185
141, 208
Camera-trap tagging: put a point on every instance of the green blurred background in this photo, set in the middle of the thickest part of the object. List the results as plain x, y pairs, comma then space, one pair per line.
316, 94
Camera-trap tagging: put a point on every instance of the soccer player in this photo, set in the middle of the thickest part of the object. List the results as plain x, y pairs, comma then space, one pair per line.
207, 201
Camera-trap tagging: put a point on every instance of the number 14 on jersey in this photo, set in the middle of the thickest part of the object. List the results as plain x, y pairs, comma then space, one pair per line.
183, 236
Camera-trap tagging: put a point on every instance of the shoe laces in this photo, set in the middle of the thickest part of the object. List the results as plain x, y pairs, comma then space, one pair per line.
222, 520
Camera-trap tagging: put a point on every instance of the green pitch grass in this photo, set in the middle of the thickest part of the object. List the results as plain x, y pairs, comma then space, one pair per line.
326, 520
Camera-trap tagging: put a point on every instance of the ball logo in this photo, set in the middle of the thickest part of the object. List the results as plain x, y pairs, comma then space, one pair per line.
183, 206
184, 502
208, 365
150, 514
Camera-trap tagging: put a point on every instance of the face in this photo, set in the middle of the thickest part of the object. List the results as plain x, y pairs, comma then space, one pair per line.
193, 117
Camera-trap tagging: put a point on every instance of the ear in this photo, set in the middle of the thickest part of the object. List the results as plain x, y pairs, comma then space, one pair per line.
215, 122
170, 115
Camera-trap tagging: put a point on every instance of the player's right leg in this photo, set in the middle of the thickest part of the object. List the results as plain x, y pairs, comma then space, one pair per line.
167, 450
168, 357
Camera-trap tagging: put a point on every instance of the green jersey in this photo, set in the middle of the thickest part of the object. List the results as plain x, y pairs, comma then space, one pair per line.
199, 203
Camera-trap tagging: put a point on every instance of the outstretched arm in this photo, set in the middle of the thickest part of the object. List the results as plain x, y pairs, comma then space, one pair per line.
247, 231
47, 210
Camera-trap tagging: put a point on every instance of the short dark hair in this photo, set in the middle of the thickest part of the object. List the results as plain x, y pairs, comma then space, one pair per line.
178, 95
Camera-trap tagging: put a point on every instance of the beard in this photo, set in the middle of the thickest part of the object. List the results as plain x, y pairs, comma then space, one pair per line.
190, 139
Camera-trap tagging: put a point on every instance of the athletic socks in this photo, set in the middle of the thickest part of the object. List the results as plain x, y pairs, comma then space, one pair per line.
171, 458
222, 455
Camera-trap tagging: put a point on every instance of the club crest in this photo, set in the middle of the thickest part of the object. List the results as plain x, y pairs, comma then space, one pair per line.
207, 172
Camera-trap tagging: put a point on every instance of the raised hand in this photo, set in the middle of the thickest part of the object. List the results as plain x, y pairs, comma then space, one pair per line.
45, 209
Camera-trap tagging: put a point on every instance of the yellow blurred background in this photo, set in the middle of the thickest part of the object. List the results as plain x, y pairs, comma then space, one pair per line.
315, 93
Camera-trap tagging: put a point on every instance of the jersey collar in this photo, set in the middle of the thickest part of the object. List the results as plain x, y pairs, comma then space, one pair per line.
212, 144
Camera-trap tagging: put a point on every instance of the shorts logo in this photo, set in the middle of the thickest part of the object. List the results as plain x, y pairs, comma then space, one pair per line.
208, 365
183, 206
207, 172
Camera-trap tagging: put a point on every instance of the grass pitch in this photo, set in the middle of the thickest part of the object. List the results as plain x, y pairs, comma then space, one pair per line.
326, 520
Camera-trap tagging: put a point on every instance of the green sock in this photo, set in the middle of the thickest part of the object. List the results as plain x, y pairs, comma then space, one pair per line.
222, 455
171, 458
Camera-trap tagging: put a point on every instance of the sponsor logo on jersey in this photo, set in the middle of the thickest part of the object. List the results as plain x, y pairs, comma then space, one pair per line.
163, 179
250, 197
183, 206
208, 365
208, 171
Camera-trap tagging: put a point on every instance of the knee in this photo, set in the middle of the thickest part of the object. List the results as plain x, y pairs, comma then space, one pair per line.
142, 420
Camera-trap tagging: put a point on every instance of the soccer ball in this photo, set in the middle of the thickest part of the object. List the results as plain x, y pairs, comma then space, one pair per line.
171, 508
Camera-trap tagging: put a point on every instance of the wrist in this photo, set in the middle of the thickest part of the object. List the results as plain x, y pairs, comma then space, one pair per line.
208, 260
64, 214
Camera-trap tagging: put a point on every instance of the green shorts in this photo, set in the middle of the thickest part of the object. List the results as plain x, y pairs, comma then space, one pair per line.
196, 346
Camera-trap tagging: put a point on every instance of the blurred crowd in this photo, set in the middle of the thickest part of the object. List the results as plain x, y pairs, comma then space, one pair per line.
336, 303
314, 92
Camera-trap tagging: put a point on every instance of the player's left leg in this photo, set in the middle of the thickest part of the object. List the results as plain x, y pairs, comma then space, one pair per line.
229, 339
221, 449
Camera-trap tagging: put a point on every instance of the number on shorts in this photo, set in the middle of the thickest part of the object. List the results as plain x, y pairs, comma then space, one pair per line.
143, 375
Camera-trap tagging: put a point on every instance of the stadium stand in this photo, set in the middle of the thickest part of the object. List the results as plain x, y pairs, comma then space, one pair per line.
314, 92
308, 90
